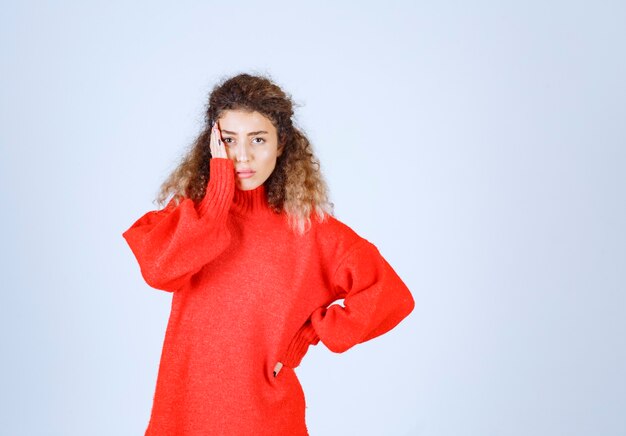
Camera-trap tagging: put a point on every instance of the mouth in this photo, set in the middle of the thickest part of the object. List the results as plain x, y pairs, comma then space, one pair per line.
244, 174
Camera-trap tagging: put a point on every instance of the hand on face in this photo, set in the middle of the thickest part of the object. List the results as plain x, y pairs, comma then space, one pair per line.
250, 140
216, 144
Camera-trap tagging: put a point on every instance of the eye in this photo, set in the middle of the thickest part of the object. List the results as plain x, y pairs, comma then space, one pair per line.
228, 140
258, 140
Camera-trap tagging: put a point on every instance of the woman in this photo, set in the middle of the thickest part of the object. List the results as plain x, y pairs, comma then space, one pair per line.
254, 258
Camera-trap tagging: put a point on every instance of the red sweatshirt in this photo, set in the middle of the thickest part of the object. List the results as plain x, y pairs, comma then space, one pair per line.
249, 292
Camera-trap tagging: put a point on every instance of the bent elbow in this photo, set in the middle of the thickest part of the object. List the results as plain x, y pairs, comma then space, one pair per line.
339, 347
409, 304
157, 281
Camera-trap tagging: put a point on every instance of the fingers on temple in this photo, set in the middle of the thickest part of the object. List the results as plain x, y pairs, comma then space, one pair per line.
213, 143
218, 149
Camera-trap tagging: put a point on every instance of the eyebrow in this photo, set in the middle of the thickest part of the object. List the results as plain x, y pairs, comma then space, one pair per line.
259, 132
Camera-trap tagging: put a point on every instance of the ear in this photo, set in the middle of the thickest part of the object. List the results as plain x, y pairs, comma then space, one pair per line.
281, 147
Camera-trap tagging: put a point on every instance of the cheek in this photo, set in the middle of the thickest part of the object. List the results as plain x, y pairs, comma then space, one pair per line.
230, 152
268, 156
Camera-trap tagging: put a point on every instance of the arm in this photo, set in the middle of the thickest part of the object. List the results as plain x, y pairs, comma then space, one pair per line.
375, 301
173, 244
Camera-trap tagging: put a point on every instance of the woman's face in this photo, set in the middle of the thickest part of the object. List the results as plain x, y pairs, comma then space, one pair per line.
251, 142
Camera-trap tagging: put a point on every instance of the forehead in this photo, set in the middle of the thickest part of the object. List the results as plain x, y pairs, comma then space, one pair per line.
244, 121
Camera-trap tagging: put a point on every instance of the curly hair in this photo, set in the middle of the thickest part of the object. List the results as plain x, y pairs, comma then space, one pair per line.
296, 185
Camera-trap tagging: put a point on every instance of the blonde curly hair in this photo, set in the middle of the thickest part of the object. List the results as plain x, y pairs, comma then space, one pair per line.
296, 185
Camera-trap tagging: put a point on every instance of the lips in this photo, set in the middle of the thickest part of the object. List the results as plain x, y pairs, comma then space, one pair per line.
245, 173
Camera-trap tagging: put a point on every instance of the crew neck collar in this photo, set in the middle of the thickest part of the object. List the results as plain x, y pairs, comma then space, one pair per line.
250, 201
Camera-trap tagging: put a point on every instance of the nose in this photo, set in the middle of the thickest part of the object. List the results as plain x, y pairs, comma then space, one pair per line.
242, 153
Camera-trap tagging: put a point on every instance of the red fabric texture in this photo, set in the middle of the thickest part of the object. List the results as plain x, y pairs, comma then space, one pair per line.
248, 292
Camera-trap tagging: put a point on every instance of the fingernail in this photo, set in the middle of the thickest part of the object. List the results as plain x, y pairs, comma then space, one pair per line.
277, 368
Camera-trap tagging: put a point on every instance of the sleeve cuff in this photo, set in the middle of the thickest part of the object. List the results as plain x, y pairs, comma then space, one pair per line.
298, 347
220, 188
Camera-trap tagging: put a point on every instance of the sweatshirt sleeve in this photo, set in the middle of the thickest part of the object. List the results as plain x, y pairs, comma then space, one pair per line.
173, 244
375, 301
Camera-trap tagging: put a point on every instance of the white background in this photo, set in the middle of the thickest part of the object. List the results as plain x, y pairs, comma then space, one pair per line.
479, 145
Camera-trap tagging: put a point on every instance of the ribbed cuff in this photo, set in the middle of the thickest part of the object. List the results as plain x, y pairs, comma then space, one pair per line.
300, 344
220, 189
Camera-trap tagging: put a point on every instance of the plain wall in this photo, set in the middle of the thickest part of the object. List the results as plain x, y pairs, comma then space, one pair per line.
479, 145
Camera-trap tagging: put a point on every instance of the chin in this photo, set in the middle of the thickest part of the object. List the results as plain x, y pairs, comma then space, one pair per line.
247, 186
